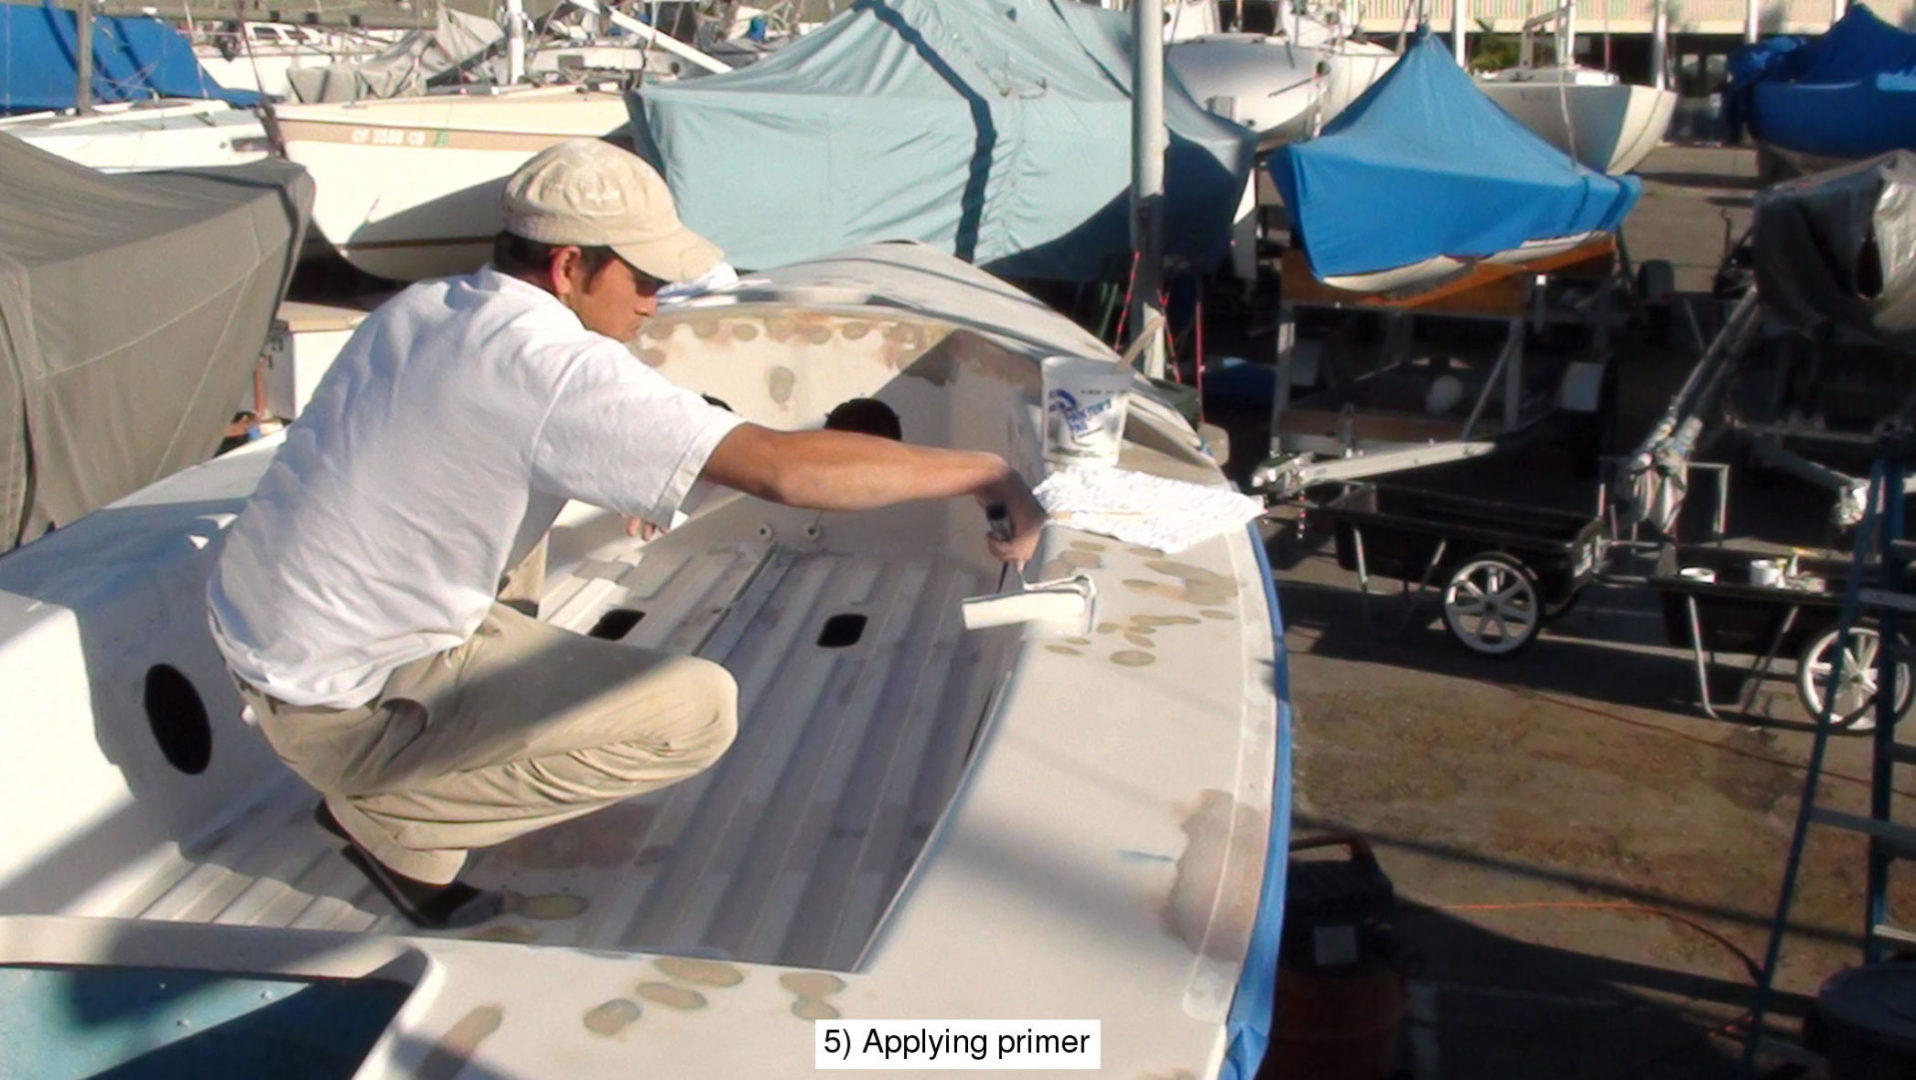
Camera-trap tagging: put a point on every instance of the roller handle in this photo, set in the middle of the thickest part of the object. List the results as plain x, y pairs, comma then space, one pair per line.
998, 520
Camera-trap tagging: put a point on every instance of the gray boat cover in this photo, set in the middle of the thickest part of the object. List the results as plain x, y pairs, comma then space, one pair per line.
132, 309
1839, 247
995, 130
406, 67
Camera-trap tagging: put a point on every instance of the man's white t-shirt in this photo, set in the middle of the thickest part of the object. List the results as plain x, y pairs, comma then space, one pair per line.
433, 456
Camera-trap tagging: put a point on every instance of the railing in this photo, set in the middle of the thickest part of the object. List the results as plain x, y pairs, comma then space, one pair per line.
1633, 16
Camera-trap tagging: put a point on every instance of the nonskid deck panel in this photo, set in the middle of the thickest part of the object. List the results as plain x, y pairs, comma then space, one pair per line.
788, 851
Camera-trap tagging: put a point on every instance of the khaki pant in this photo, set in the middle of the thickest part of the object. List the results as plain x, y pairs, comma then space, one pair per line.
524, 725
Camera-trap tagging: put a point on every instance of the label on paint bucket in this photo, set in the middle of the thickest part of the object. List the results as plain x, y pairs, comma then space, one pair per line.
1084, 410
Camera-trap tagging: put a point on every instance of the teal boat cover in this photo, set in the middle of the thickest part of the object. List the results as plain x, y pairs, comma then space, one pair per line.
997, 131
1423, 164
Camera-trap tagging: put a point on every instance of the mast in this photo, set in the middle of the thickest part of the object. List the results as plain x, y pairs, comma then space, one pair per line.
1569, 57
515, 41
1659, 44
1459, 13
1147, 179
83, 90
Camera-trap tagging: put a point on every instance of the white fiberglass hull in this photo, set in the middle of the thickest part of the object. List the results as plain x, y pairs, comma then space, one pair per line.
1609, 128
409, 188
1283, 92
919, 823
170, 134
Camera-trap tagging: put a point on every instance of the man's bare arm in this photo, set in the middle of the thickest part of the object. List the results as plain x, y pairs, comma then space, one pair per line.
841, 470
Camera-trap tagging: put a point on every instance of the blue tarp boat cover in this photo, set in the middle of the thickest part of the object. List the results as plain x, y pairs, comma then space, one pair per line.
997, 131
135, 58
1423, 164
1848, 94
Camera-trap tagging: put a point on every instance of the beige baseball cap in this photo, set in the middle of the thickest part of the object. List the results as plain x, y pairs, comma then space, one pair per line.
591, 193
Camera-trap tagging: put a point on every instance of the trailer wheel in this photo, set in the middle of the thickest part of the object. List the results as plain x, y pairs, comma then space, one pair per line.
1491, 605
1855, 681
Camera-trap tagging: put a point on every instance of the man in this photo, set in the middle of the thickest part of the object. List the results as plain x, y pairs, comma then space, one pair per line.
354, 599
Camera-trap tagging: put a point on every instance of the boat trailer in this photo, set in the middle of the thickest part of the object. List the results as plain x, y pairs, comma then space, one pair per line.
1334, 420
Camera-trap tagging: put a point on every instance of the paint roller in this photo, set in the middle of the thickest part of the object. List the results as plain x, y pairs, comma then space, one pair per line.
1068, 604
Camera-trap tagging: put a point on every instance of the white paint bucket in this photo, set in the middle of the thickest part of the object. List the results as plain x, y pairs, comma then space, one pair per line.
1084, 407
1766, 572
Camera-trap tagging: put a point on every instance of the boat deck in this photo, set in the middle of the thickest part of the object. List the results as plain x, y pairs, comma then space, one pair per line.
860, 696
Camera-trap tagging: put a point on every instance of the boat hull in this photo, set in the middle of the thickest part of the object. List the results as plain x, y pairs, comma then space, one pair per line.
172, 134
1607, 128
410, 188
921, 823
1837, 122
1419, 276
1281, 92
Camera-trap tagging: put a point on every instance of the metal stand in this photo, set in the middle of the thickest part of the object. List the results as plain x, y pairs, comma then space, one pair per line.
1327, 443
1409, 593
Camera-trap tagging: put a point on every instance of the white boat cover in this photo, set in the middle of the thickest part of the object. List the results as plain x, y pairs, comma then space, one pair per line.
996, 131
1840, 247
132, 309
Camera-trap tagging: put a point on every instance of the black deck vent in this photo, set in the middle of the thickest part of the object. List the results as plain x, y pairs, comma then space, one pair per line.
615, 624
841, 631
178, 718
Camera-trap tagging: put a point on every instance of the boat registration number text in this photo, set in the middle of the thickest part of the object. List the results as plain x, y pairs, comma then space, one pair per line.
415, 137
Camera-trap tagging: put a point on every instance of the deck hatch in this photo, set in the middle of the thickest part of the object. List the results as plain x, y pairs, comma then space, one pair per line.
841, 631
615, 624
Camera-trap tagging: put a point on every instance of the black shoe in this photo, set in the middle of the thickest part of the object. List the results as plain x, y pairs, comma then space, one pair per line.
453, 906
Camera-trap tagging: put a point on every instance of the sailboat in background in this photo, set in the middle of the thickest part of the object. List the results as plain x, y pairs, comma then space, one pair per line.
1828, 101
1283, 86
1603, 122
1284, 83
1387, 199
127, 96
409, 186
261, 56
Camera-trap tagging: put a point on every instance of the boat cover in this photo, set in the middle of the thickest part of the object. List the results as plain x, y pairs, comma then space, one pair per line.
1839, 247
1423, 165
995, 130
408, 66
135, 58
1850, 93
132, 309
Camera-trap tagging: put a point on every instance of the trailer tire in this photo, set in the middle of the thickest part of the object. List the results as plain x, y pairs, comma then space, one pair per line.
1855, 708
1492, 606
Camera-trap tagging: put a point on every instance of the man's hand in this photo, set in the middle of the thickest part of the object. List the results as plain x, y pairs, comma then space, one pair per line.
1015, 538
